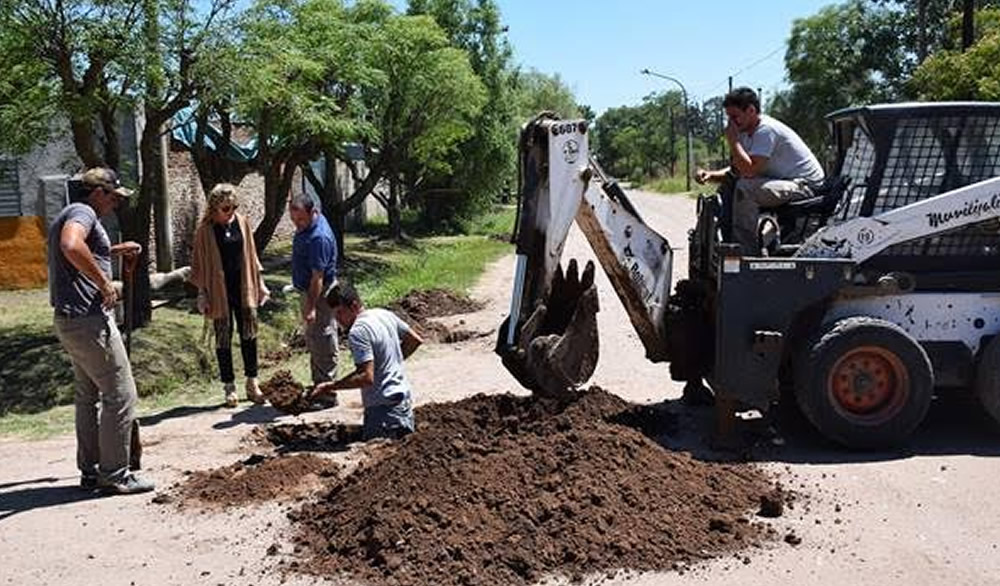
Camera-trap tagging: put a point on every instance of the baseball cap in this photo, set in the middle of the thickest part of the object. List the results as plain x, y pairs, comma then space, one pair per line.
105, 178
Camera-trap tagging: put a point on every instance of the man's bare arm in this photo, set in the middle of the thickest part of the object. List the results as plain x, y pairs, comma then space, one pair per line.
363, 376
410, 342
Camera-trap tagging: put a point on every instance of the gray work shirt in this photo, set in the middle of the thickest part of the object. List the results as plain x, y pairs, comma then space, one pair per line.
788, 156
375, 336
72, 293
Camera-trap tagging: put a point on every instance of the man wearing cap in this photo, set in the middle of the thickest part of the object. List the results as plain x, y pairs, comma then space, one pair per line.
82, 295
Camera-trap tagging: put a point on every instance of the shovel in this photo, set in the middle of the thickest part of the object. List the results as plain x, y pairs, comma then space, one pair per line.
128, 272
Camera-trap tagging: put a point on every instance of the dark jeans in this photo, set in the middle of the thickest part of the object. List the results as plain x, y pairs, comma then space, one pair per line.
248, 348
388, 421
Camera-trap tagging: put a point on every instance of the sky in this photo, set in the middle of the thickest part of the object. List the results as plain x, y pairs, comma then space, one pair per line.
598, 47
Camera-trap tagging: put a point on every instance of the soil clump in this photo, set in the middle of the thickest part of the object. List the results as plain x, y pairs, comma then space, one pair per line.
507, 490
284, 393
257, 479
417, 308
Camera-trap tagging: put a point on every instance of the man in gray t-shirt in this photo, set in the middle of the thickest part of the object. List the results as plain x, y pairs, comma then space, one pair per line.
379, 343
82, 296
772, 164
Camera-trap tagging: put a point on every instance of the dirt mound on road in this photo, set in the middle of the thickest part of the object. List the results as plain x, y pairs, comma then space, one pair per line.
506, 490
257, 479
418, 307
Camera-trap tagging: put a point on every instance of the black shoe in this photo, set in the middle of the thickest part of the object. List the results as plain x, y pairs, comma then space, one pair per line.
88, 481
129, 484
697, 395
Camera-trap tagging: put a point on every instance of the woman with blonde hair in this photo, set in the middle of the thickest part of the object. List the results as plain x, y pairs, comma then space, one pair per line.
227, 273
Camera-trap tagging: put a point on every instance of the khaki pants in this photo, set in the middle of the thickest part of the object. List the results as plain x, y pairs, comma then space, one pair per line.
105, 394
321, 340
753, 194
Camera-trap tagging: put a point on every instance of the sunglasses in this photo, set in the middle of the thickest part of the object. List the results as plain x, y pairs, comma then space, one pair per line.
227, 208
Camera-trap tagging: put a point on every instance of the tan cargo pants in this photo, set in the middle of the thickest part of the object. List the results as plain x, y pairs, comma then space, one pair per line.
321, 340
755, 193
105, 394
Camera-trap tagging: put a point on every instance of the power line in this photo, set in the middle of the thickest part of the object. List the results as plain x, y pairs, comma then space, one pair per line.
748, 67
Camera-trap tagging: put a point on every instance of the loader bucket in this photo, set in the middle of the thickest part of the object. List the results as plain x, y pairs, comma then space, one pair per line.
556, 347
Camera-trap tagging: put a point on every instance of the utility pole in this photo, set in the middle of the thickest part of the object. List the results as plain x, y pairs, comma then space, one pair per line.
687, 121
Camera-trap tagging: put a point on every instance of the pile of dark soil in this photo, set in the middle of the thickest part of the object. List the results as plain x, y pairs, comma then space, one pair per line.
257, 479
417, 307
284, 393
318, 436
506, 490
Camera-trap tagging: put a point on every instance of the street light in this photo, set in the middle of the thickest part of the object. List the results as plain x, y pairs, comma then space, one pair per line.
687, 118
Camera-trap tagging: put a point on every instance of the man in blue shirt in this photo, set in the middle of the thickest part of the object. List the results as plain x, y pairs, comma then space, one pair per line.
314, 271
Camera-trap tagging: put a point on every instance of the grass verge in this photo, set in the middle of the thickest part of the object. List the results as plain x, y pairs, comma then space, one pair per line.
677, 185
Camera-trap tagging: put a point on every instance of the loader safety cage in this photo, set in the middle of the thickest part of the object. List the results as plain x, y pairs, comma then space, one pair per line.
898, 154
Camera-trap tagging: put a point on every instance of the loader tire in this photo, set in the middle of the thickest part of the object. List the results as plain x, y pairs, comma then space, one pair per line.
988, 378
864, 383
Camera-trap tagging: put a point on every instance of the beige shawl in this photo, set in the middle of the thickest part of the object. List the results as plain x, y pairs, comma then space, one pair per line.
207, 275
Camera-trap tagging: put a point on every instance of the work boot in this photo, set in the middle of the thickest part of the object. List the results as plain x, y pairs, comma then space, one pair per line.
253, 391
697, 394
88, 481
232, 399
130, 483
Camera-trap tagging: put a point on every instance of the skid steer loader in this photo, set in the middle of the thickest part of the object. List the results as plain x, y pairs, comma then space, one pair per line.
867, 298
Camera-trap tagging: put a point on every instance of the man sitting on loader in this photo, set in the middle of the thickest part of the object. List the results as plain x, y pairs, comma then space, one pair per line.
771, 163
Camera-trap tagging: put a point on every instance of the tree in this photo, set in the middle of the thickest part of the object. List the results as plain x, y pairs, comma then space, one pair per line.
970, 75
427, 107
74, 52
641, 142
851, 53
485, 161
537, 91
296, 76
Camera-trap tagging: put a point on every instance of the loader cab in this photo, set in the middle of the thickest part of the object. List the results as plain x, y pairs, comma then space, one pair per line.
894, 155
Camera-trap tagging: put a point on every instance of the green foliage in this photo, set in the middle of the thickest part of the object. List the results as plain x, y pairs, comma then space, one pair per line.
486, 160
849, 53
972, 75
430, 98
646, 141
537, 92
296, 72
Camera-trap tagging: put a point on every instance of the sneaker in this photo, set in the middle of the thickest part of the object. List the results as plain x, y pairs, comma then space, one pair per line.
88, 481
232, 399
253, 391
131, 483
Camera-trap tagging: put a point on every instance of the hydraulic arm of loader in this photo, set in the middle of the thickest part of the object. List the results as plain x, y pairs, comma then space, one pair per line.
549, 341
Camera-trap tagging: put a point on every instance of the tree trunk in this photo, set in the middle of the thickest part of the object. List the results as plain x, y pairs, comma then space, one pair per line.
213, 166
395, 216
277, 183
84, 141
331, 198
968, 23
135, 217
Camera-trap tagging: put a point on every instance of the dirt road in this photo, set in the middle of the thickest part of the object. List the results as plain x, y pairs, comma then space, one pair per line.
921, 517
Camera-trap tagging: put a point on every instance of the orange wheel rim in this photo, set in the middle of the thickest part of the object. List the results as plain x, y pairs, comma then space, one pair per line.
868, 384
